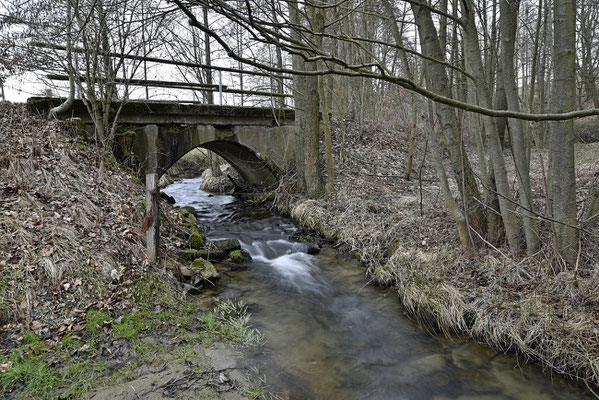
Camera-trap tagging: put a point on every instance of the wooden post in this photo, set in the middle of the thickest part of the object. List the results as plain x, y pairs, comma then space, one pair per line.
152, 216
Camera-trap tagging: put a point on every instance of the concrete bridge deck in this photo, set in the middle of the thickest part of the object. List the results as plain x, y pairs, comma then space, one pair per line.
137, 112
256, 141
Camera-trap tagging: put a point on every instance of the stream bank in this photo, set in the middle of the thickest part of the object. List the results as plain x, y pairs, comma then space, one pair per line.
81, 308
399, 229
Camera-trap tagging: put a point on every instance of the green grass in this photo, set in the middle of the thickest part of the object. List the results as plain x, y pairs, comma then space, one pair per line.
81, 376
131, 325
41, 372
230, 320
29, 371
253, 391
68, 342
95, 320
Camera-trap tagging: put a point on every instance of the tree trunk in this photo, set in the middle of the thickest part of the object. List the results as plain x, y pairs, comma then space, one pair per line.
450, 203
501, 104
592, 213
473, 58
562, 132
412, 140
312, 173
508, 26
405, 66
209, 96
319, 21
299, 101
437, 81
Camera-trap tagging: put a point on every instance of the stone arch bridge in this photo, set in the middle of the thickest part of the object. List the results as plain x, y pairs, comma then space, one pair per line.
256, 141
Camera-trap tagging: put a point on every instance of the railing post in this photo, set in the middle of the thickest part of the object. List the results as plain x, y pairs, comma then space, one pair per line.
220, 86
152, 219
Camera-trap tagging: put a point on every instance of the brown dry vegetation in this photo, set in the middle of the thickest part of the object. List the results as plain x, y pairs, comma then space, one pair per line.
60, 214
70, 249
510, 304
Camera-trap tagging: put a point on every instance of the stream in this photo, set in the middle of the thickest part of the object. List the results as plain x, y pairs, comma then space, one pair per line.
331, 335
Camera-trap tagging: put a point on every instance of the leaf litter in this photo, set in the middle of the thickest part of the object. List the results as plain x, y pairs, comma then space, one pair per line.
70, 243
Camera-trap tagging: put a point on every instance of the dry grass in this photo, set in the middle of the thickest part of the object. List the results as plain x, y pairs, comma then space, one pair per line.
69, 223
511, 304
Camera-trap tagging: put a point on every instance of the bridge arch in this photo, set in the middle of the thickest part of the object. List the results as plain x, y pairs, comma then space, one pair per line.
251, 139
244, 160
254, 151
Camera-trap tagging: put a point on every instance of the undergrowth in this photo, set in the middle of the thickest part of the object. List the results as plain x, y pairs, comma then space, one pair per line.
408, 241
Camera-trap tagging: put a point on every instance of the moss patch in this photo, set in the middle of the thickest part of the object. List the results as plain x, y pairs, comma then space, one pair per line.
197, 240
239, 256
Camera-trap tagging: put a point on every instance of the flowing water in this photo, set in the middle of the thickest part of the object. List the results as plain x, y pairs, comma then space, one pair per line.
330, 335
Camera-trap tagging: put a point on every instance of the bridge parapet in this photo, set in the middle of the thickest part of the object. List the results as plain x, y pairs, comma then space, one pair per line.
136, 112
256, 141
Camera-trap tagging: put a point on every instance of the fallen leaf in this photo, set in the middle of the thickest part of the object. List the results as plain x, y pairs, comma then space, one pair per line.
5, 367
175, 340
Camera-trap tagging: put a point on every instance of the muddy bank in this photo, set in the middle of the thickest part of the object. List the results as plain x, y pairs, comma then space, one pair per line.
207, 373
399, 229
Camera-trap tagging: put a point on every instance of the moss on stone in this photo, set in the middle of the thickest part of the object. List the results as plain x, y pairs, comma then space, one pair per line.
200, 263
212, 255
197, 240
188, 218
207, 270
239, 256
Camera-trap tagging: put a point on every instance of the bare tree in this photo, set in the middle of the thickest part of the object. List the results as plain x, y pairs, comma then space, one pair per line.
561, 147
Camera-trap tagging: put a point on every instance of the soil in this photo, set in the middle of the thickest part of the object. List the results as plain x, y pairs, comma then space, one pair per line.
212, 374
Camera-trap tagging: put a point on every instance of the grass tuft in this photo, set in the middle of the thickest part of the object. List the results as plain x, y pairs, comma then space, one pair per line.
230, 320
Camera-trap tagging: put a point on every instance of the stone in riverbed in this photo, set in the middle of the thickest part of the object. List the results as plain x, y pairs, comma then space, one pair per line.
212, 255
197, 240
167, 198
187, 254
312, 248
239, 256
188, 210
206, 270
188, 217
191, 289
227, 245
